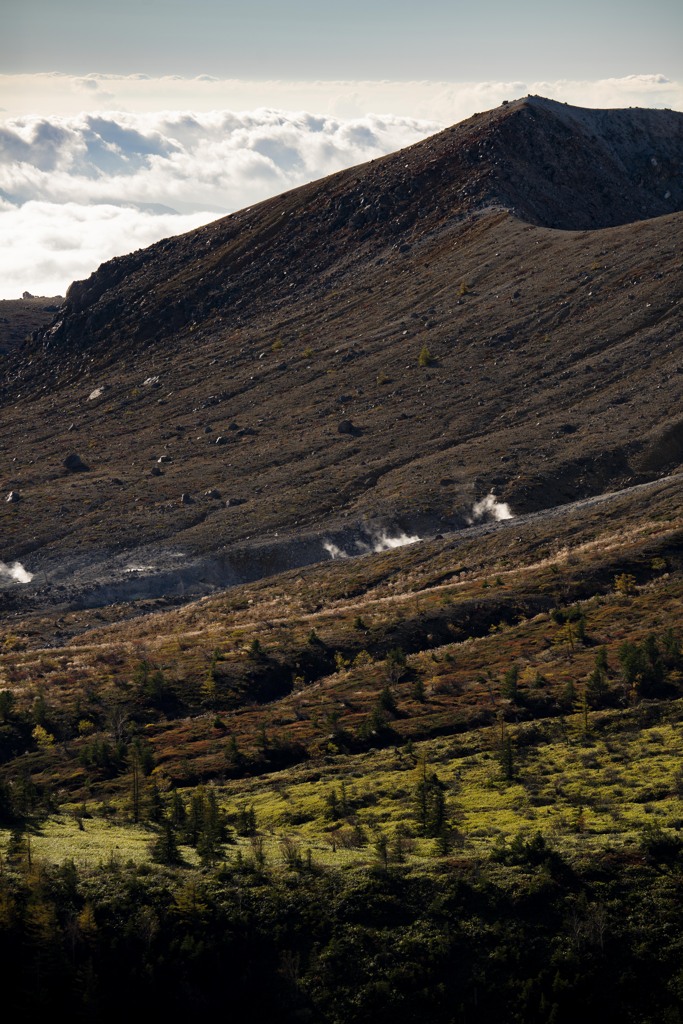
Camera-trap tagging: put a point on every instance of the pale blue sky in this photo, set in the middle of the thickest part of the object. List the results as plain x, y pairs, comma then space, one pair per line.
351, 39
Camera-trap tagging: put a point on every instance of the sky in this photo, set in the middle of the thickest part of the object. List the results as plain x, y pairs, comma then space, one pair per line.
122, 122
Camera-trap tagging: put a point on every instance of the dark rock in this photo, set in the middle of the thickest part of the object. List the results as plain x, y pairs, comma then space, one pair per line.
75, 464
232, 502
212, 493
13, 497
186, 499
345, 427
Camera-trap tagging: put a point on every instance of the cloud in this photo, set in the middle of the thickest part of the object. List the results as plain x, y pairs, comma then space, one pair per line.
75, 191
443, 101
48, 245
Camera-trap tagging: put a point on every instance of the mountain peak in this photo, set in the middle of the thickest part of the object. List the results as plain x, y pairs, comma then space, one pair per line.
384, 346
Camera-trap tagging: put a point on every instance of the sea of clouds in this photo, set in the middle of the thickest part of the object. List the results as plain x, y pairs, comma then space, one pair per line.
77, 190
83, 183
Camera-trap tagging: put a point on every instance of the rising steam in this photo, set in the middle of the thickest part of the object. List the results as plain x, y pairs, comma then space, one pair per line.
383, 542
15, 572
333, 550
377, 543
490, 508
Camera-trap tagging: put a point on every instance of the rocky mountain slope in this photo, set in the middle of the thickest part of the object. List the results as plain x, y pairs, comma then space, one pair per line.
21, 317
496, 310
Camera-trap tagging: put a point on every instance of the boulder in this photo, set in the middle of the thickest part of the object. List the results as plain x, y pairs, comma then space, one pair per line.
186, 499
75, 464
13, 497
345, 427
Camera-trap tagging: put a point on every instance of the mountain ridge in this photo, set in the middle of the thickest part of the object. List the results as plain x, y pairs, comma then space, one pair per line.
348, 357
534, 157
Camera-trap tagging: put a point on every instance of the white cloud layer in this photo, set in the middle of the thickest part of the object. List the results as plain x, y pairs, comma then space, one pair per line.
82, 184
77, 190
446, 102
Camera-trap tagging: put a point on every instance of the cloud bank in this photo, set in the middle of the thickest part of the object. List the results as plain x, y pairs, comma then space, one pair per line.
85, 183
443, 101
75, 191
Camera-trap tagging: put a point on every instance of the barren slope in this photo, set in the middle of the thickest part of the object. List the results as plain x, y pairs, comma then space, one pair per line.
235, 352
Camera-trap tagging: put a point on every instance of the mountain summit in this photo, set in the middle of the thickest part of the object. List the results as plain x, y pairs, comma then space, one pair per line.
493, 310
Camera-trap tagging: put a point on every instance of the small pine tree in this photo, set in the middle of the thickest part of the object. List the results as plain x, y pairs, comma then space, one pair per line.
155, 804
178, 814
430, 801
395, 664
425, 357
596, 688
164, 849
671, 643
6, 706
332, 807
509, 687
444, 841
601, 659
234, 755
256, 649
419, 691
387, 701
246, 821
507, 759
581, 629
625, 584
262, 738
382, 850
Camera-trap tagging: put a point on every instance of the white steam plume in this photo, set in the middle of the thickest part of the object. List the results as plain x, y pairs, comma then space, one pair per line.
333, 550
490, 508
379, 542
16, 572
383, 542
